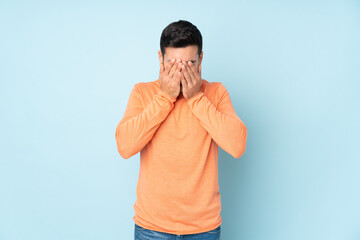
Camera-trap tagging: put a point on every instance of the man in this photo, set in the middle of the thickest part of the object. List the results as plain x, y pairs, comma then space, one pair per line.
177, 123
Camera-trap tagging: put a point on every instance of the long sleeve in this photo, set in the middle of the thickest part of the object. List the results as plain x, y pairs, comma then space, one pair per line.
221, 122
139, 124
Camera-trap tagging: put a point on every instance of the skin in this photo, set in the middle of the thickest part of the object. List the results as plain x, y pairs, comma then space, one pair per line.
182, 76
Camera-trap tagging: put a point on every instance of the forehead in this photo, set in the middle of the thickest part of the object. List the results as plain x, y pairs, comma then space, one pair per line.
188, 53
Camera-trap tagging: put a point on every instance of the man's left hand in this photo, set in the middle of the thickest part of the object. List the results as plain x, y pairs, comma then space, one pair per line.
190, 79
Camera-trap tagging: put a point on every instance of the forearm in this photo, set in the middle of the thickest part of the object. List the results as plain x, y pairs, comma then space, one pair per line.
133, 133
228, 131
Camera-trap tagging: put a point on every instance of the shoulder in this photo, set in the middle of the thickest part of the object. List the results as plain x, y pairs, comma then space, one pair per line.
217, 87
146, 86
214, 85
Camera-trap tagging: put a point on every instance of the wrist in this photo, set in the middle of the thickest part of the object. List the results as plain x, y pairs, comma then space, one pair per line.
166, 95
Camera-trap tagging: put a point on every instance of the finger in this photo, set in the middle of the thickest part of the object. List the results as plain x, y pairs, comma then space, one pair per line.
195, 71
191, 71
184, 83
186, 74
176, 68
173, 67
169, 66
193, 77
178, 77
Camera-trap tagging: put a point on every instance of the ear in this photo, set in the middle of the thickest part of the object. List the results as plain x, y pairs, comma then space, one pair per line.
200, 60
162, 67
201, 57
160, 55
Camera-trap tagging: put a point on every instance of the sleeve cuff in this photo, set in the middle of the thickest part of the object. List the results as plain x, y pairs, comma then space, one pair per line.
167, 96
195, 97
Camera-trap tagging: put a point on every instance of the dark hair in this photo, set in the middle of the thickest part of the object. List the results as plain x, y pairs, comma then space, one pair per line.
180, 34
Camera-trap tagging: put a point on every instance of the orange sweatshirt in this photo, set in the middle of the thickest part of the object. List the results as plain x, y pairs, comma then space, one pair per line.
178, 138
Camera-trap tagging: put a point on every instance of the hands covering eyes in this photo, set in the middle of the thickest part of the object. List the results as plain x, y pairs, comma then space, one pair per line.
180, 71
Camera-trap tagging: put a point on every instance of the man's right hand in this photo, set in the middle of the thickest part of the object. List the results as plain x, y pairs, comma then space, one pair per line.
170, 75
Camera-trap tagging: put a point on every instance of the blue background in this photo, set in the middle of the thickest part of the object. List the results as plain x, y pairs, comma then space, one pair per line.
292, 71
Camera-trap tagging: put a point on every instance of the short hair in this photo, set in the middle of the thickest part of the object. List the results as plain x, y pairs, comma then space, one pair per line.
180, 34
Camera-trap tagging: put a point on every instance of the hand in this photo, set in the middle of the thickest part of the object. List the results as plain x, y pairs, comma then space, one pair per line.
190, 79
170, 77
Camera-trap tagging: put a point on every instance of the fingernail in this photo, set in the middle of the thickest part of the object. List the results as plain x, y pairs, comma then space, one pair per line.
189, 62
172, 60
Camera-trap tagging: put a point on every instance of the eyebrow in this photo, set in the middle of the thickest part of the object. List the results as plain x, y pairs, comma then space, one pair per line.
186, 61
